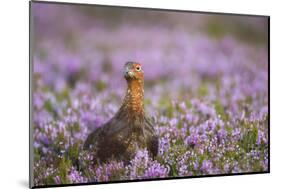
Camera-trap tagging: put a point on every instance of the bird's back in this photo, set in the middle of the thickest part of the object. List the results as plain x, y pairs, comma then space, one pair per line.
120, 139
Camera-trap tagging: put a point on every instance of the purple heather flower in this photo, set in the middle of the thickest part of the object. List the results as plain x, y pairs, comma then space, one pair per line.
156, 170
44, 139
206, 166
76, 177
192, 140
173, 122
164, 144
221, 134
261, 138
106, 171
38, 100
57, 179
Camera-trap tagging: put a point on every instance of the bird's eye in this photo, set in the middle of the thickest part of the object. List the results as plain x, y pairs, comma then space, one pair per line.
138, 68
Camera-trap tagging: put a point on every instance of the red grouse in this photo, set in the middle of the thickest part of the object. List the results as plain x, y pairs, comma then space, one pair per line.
129, 130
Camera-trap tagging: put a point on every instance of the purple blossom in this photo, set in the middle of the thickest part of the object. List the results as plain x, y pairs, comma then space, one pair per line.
206, 166
44, 139
107, 171
164, 144
156, 170
57, 179
221, 134
192, 140
76, 177
262, 139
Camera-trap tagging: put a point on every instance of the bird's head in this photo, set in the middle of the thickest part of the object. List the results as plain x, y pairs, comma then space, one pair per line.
133, 71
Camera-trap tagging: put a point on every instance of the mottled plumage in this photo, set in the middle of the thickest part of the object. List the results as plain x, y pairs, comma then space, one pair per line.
129, 130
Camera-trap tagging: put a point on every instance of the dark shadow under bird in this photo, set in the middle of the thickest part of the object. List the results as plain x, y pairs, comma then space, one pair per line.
129, 130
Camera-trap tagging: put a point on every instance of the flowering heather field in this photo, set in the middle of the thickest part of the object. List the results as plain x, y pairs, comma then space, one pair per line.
206, 91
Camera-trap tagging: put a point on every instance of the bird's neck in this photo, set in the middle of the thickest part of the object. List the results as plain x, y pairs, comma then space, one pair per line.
133, 102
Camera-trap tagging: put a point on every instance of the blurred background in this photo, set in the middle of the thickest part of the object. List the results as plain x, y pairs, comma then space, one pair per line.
181, 52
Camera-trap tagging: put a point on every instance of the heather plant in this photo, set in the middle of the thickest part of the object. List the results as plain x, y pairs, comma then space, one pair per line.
206, 91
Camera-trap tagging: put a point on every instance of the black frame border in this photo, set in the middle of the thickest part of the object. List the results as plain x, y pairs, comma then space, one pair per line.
31, 184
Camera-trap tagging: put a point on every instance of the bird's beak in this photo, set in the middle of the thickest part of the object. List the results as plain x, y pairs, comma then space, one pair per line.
128, 73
